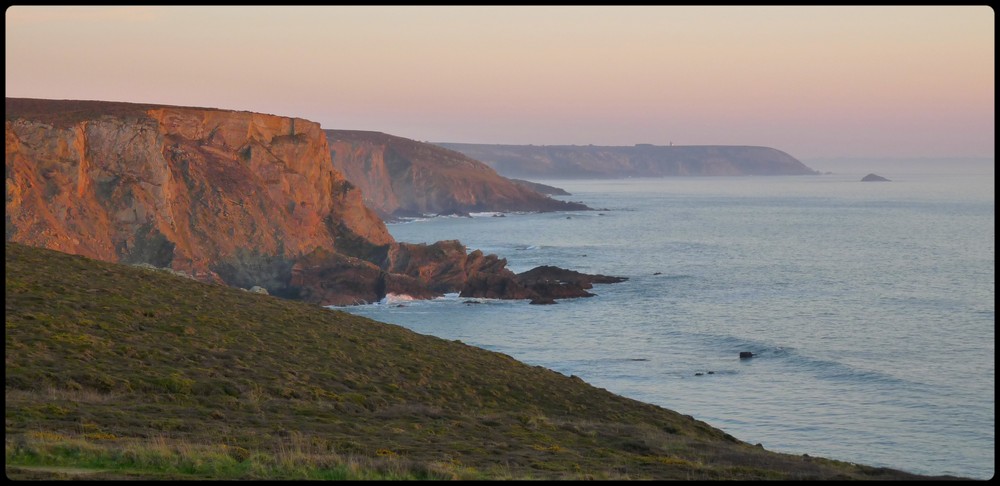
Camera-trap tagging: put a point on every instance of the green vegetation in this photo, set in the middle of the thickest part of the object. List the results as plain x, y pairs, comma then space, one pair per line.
120, 372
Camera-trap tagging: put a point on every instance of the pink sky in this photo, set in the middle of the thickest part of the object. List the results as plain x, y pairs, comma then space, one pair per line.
812, 81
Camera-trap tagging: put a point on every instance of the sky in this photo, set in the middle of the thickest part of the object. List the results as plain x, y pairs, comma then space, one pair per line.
892, 81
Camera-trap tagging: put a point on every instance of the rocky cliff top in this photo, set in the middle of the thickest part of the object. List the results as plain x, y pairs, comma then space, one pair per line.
66, 113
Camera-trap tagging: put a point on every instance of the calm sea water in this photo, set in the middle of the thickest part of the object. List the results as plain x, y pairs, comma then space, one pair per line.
870, 306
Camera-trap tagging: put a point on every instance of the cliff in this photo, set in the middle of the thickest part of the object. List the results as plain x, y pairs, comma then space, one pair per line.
643, 160
235, 198
399, 176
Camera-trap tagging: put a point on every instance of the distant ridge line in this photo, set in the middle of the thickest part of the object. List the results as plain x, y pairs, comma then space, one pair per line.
639, 160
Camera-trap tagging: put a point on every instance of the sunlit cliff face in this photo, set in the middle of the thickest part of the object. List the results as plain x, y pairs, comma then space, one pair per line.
228, 197
179, 187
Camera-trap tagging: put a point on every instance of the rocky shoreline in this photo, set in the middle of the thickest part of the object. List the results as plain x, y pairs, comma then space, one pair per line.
247, 199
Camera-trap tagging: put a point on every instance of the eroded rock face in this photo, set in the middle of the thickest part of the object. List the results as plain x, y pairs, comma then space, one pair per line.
402, 177
489, 278
231, 197
441, 266
447, 267
236, 198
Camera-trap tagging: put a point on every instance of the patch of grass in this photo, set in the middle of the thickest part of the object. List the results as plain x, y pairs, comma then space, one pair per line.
139, 374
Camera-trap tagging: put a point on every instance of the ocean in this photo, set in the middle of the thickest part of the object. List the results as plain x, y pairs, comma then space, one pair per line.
869, 306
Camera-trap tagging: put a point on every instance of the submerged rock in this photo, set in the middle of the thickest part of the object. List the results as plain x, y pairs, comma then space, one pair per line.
542, 301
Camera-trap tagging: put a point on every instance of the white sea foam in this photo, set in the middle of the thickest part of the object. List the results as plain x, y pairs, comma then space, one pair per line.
396, 298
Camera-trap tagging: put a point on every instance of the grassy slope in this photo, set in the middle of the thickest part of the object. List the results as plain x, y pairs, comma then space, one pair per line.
116, 363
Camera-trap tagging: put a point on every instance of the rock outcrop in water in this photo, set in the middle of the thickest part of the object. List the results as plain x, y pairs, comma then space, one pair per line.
643, 160
403, 177
874, 178
554, 282
237, 198
542, 285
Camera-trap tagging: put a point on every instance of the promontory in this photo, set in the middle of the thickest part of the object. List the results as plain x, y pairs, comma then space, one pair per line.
640, 160
230, 197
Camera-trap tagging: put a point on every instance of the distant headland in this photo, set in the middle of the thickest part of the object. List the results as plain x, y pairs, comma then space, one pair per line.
641, 160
